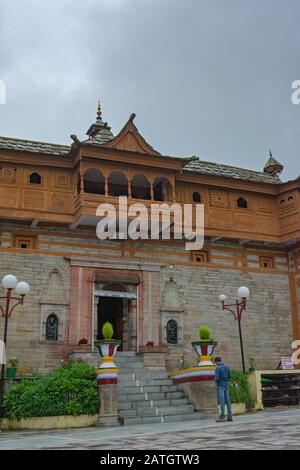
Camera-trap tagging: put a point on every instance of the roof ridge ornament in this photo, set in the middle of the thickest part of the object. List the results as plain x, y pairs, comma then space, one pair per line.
99, 112
273, 167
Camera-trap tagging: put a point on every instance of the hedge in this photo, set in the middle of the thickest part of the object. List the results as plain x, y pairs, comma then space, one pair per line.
70, 390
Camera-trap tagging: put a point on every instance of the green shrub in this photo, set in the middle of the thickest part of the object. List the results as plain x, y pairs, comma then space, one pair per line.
107, 330
239, 389
204, 332
70, 390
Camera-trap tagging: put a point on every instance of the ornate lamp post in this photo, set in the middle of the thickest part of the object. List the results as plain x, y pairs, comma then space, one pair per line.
10, 282
240, 305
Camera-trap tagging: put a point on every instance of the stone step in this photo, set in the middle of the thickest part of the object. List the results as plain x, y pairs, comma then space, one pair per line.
143, 374
126, 354
132, 366
162, 419
150, 396
146, 382
180, 409
127, 405
133, 389
155, 411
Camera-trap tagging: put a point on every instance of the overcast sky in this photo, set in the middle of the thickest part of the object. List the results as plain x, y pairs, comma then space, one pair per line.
205, 77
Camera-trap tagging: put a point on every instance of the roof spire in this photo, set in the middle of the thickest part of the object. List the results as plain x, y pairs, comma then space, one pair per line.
99, 112
273, 167
99, 130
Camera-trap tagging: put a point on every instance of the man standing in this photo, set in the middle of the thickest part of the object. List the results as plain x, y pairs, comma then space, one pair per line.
222, 378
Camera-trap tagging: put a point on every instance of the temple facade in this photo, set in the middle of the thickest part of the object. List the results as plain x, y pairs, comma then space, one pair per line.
152, 291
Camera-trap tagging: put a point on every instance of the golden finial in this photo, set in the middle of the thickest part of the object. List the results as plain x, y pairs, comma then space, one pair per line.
99, 113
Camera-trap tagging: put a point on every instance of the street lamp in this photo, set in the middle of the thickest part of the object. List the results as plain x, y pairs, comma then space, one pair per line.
240, 306
10, 282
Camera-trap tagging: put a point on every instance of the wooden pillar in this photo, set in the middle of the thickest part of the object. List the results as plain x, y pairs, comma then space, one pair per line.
129, 188
106, 186
81, 183
151, 191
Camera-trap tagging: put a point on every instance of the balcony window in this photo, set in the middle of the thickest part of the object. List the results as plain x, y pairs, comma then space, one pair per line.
93, 182
117, 184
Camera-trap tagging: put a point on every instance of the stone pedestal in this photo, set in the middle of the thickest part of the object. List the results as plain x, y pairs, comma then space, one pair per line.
108, 413
203, 396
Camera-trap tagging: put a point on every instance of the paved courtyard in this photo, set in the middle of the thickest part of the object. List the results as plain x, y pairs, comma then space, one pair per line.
278, 429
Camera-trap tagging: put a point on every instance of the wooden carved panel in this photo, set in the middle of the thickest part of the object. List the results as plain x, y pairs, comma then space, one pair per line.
244, 222
219, 219
61, 202
265, 206
218, 199
34, 199
8, 175
287, 204
266, 225
8, 197
61, 180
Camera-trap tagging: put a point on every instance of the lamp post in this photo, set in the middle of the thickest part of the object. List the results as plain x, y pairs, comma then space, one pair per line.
240, 305
10, 282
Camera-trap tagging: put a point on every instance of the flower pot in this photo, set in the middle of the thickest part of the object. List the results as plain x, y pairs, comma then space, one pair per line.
204, 349
108, 371
11, 372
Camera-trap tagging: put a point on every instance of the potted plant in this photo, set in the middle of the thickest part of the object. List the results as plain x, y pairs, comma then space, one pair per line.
205, 347
107, 348
251, 364
150, 345
12, 370
83, 343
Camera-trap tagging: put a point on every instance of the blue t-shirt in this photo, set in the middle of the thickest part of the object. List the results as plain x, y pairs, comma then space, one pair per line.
222, 375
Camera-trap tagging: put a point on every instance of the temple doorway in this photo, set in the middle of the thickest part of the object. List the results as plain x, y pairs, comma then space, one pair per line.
110, 309
117, 304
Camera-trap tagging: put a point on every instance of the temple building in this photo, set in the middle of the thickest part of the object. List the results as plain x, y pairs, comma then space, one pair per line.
152, 291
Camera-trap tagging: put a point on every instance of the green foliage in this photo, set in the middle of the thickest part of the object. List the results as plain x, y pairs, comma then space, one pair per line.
239, 389
107, 330
13, 361
204, 332
70, 390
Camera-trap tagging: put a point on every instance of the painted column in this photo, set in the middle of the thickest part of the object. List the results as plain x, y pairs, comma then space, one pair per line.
107, 378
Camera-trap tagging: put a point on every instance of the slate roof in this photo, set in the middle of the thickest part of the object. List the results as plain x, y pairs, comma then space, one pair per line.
232, 172
193, 165
103, 136
32, 146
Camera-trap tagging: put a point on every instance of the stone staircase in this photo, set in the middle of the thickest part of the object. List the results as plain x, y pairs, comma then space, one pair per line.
149, 396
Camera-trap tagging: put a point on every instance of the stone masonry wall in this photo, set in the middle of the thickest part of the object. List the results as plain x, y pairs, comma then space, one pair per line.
266, 324
24, 324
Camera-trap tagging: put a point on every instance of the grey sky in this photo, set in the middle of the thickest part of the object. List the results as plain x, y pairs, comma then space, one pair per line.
205, 77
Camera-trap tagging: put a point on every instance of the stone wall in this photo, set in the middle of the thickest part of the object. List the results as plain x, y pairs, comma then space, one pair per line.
267, 324
24, 338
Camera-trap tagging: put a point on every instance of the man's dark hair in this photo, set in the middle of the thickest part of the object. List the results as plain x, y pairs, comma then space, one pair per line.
218, 360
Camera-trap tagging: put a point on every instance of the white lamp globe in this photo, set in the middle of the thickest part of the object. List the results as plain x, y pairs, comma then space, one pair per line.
222, 297
9, 281
243, 292
22, 288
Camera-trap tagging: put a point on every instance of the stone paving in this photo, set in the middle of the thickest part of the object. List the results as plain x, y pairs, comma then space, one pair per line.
278, 429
